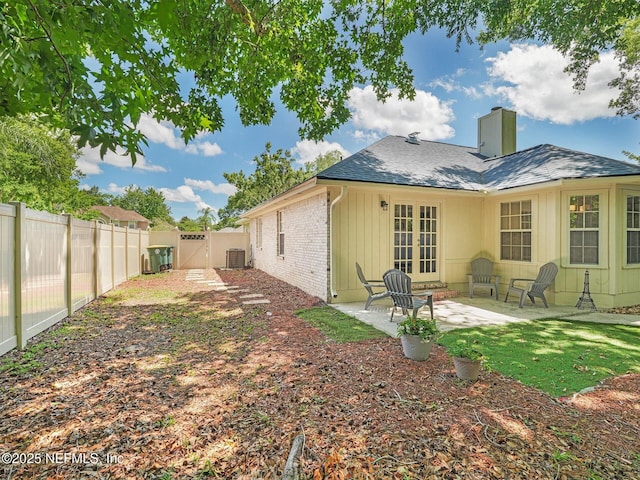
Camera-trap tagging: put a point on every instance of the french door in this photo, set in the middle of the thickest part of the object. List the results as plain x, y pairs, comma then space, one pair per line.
415, 240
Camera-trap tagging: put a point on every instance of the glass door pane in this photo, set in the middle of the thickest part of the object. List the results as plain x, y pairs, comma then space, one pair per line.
428, 239
403, 238
425, 264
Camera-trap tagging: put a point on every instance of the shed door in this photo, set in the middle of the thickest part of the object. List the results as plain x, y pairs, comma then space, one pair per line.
415, 241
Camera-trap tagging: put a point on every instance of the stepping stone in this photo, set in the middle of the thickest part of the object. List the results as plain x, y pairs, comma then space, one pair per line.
230, 289
252, 295
256, 302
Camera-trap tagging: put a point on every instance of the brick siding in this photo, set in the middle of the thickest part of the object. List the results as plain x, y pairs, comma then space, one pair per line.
304, 263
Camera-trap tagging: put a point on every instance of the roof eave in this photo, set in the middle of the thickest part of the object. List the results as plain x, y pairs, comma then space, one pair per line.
293, 191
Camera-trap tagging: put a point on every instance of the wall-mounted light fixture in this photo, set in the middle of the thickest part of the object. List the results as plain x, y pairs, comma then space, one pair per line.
384, 205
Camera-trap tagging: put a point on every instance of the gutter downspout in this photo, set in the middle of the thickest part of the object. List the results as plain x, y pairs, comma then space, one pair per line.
334, 294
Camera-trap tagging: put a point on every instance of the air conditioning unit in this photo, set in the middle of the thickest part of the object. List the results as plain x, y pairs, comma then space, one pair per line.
235, 258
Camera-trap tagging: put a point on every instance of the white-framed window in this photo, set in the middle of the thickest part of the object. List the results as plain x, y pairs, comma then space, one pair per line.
259, 233
633, 229
515, 231
280, 221
584, 229
132, 224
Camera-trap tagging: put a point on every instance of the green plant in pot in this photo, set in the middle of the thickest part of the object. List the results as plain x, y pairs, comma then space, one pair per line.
467, 359
417, 336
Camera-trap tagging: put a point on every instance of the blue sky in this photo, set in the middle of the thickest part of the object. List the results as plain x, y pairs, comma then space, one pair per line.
453, 90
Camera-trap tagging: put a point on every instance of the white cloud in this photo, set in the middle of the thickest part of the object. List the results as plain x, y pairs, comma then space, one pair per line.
208, 185
159, 132
114, 188
207, 149
471, 92
532, 80
185, 194
366, 137
165, 133
308, 150
426, 114
449, 83
90, 163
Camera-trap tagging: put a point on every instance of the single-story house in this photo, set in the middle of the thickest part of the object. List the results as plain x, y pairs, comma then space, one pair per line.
429, 208
121, 217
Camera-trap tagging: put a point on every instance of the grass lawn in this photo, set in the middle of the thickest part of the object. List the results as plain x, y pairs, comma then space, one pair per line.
560, 357
338, 326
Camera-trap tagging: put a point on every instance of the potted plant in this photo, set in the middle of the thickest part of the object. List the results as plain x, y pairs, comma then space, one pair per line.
417, 336
466, 360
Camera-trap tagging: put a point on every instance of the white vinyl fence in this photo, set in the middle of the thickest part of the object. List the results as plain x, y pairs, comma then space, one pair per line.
52, 265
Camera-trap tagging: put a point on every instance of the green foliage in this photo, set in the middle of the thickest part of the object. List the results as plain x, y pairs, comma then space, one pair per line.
28, 360
96, 68
185, 224
207, 219
162, 226
149, 203
579, 29
338, 326
38, 166
274, 173
628, 51
465, 349
426, 328
322, 162
560, 357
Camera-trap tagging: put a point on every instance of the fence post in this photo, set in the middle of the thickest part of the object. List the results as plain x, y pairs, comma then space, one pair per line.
113, 256
96, 259
126, 252
19, 255
69, 282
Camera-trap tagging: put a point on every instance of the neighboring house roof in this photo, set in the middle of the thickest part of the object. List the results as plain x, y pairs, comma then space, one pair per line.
394, 160
117, 213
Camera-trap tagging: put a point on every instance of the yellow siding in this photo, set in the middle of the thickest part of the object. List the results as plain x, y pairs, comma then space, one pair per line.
363, 233
469, 227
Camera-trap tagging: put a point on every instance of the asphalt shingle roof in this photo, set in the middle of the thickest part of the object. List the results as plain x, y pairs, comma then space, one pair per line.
393, 160
118, 213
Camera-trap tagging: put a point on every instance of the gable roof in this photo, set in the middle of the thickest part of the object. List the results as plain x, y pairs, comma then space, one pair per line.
117, 213
395, 161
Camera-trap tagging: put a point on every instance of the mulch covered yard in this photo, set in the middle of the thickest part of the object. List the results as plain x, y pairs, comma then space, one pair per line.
183, 381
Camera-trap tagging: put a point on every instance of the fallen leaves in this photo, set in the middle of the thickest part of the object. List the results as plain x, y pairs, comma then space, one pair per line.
206, 387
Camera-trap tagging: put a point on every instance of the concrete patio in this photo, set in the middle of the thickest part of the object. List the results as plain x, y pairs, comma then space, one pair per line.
464, 312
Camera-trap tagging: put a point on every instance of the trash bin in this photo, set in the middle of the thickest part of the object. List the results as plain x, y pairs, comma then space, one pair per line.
159, 257
235, 258
170, 257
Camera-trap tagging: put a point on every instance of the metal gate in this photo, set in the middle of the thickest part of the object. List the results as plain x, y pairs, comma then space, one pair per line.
194, 251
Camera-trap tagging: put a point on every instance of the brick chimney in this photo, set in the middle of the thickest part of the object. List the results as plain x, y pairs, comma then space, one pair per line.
497, 133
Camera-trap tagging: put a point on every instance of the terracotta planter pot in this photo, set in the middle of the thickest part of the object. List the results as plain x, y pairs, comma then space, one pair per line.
466, 369
415, 348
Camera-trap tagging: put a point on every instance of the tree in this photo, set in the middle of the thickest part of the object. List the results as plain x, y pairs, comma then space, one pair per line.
186, 224
322, 162
163, 226
628, 47
579, 29
96, 68
38, 166
207, 219
274, 173
149, 203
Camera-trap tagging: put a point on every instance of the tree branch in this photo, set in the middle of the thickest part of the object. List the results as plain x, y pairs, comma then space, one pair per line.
246, 15
43, 25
